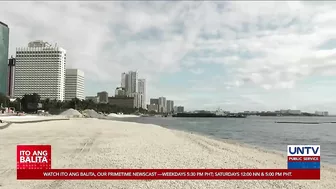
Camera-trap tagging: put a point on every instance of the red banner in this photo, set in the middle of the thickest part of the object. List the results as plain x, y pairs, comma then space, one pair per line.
167, 174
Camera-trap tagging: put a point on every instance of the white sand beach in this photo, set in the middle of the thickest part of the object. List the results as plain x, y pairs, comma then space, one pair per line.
94, 143
27, 118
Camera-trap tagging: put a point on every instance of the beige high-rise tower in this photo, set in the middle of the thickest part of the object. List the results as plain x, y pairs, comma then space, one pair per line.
74, 84
40, 68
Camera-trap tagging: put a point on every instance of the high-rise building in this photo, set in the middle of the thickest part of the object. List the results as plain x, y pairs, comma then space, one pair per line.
180, 109
131, 85
162, 104
142, 92
154, 101
175, 109
103, 97
4, 42
11, 70
170, 106
137, 98
123, 80
40, 68
74, 84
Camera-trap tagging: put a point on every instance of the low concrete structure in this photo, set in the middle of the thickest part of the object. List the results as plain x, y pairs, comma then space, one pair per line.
125, 102
153, 107
120, 92
95, 99
321, 113
103, 97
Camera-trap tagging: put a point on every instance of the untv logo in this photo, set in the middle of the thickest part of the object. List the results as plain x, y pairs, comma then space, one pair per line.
303, 150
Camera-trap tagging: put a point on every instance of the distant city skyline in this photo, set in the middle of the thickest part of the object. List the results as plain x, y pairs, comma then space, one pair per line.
131, 86
273, 56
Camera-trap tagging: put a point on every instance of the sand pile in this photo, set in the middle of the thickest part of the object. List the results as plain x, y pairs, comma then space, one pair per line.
91, 113
71, 113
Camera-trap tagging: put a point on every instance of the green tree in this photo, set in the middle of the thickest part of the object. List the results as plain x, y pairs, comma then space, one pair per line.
152, 112
17, 104
55, 107
29, 102
46, 104
59, 104
4, 100
75, 103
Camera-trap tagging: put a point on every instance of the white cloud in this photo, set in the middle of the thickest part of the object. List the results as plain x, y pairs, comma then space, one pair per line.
196, 71
267, 46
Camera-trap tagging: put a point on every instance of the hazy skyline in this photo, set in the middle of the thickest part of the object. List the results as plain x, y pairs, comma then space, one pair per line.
202, 55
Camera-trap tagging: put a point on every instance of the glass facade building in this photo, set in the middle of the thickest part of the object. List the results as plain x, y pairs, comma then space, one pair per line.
4, 42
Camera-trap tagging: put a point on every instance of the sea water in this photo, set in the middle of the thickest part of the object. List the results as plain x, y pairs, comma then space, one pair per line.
263, 132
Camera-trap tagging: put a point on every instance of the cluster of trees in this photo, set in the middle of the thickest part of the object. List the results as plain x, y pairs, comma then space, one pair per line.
32, 103
5, 102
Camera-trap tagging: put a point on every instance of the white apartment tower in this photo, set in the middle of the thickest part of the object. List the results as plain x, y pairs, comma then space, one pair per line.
142, 92
40, 68
162, 104
123, 80
74, 84
170, 106
131, 84
136, 97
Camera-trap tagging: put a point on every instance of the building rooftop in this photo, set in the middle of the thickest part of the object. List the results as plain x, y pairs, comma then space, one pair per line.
3, 24
39, 43
120, 97
70, 71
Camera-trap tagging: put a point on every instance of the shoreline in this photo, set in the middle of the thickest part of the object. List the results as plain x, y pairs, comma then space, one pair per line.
36, 119
121, 144
259, 148
240, 143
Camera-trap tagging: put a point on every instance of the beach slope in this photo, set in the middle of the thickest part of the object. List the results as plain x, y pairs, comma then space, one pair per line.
93, 143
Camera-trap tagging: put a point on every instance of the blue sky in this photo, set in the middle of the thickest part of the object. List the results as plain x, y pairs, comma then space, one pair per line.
204, 55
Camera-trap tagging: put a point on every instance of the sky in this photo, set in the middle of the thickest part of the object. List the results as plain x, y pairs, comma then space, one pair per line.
203, 55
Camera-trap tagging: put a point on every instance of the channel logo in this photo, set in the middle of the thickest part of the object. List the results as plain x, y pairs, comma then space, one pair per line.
33, 157
303, 156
